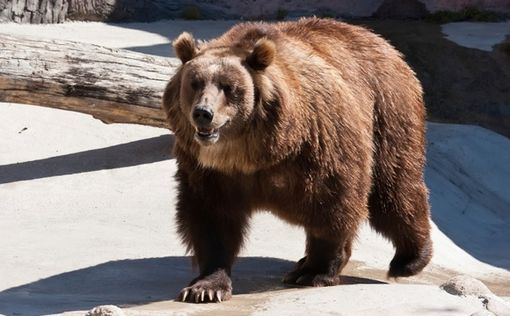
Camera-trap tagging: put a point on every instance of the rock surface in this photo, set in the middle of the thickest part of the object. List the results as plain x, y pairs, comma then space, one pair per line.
105, 310
464, 285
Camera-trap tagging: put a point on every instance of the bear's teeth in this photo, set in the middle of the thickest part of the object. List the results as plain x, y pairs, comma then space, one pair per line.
205, 132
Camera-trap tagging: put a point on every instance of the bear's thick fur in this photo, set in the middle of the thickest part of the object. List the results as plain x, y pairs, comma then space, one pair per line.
320, 122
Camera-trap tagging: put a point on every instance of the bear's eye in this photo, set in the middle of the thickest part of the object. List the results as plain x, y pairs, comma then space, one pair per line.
226, 88
195, 84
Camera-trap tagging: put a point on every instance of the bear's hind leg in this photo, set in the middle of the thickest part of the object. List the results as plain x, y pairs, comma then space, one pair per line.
400, 212
325, 258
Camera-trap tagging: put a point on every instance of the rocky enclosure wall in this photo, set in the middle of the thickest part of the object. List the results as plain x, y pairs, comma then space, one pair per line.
33, 11
55, 11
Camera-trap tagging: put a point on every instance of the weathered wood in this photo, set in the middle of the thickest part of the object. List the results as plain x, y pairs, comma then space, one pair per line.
113, 85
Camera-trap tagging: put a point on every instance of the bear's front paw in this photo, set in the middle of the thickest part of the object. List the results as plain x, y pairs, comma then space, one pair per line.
215, 287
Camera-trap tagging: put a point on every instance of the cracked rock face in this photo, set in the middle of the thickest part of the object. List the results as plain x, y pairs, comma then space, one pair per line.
33, 11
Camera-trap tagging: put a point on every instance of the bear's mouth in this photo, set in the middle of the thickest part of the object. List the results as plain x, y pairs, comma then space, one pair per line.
206, 136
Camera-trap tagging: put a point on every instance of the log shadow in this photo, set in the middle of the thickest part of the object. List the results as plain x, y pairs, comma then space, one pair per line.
199, 29
118, 156
135, 282
163, 50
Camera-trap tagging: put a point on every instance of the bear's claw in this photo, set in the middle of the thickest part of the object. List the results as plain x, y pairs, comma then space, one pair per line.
198, 296
217, 286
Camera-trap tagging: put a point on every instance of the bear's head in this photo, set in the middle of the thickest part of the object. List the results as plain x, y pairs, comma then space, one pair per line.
216, 92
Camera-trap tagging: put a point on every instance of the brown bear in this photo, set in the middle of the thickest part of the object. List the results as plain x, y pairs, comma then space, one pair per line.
320, 122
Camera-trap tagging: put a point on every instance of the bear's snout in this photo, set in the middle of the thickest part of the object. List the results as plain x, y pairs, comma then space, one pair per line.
202, 115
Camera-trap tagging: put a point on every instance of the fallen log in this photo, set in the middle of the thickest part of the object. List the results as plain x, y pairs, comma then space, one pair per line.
113, 85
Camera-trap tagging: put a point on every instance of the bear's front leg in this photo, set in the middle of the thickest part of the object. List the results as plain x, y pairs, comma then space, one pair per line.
211, 221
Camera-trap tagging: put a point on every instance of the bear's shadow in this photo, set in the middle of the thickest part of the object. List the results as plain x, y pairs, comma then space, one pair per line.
135, 282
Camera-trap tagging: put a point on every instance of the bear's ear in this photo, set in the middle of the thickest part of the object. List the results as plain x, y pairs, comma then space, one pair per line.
262, 54
185, 47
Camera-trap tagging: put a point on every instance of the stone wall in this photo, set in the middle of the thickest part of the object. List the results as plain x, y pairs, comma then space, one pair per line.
55, 11
33, 11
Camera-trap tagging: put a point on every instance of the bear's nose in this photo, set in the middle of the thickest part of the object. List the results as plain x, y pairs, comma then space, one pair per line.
203, 115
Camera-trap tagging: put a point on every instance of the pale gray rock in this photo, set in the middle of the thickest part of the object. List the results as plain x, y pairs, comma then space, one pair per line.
497, 306
483, 312
464, 285
105, 310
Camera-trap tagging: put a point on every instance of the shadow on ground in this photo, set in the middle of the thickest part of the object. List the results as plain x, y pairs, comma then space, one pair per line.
118, 156
164, 50
135, 282
200, 31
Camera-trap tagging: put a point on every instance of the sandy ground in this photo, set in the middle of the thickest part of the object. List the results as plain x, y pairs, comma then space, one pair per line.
87, 216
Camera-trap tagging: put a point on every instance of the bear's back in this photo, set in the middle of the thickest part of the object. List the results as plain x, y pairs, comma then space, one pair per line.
327, 38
